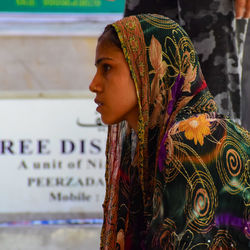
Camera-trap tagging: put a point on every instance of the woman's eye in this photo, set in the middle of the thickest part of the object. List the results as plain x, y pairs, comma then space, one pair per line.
106, 68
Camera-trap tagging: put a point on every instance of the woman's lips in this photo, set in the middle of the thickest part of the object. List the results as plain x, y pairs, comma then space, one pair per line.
99, 104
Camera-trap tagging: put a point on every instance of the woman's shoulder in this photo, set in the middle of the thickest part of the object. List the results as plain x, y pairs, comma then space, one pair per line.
206, 135
206, 144
199, 126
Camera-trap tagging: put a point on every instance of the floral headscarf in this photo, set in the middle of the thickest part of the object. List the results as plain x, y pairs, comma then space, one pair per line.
170, 88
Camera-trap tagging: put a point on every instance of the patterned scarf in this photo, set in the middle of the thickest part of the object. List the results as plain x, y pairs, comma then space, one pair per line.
170, 88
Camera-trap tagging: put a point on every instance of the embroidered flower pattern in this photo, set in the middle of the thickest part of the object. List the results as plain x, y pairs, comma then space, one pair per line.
130, 25
189, 78
195, 128
159, 65
133, 43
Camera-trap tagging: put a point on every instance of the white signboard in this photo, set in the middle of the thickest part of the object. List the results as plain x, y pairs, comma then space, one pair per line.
52, 156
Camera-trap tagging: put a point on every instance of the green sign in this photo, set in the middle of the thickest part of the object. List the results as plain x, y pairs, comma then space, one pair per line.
63, 6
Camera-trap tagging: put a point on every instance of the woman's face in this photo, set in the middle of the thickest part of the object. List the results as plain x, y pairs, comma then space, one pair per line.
113, 85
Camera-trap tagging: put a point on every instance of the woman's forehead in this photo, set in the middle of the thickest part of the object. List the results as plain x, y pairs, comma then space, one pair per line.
107, 49
107, 38
106, 45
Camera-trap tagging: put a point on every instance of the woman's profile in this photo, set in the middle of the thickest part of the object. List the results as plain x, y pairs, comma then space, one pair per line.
177, 173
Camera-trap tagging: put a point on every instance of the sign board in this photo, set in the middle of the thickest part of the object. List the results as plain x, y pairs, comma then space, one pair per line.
63, 6
52, 156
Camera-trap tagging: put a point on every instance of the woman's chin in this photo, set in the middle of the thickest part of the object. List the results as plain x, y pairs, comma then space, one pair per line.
106, 121
109, 121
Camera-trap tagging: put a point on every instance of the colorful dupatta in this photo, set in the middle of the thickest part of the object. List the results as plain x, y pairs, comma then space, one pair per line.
173, 185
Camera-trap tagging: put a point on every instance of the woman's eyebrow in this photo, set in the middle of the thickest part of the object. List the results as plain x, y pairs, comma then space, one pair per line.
101, 59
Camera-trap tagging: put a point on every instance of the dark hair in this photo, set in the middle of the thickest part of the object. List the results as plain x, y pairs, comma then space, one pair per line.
110, 34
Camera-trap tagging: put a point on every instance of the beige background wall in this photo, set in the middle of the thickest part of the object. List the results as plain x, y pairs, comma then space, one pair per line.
38, 63
48, 54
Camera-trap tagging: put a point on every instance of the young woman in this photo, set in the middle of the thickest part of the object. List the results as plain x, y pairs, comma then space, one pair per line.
177, 173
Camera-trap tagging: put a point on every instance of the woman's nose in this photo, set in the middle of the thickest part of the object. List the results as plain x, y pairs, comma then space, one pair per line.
92, 86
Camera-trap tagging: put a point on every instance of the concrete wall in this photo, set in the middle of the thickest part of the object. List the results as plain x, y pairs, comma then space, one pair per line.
38, 63
50, 238
41, 54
